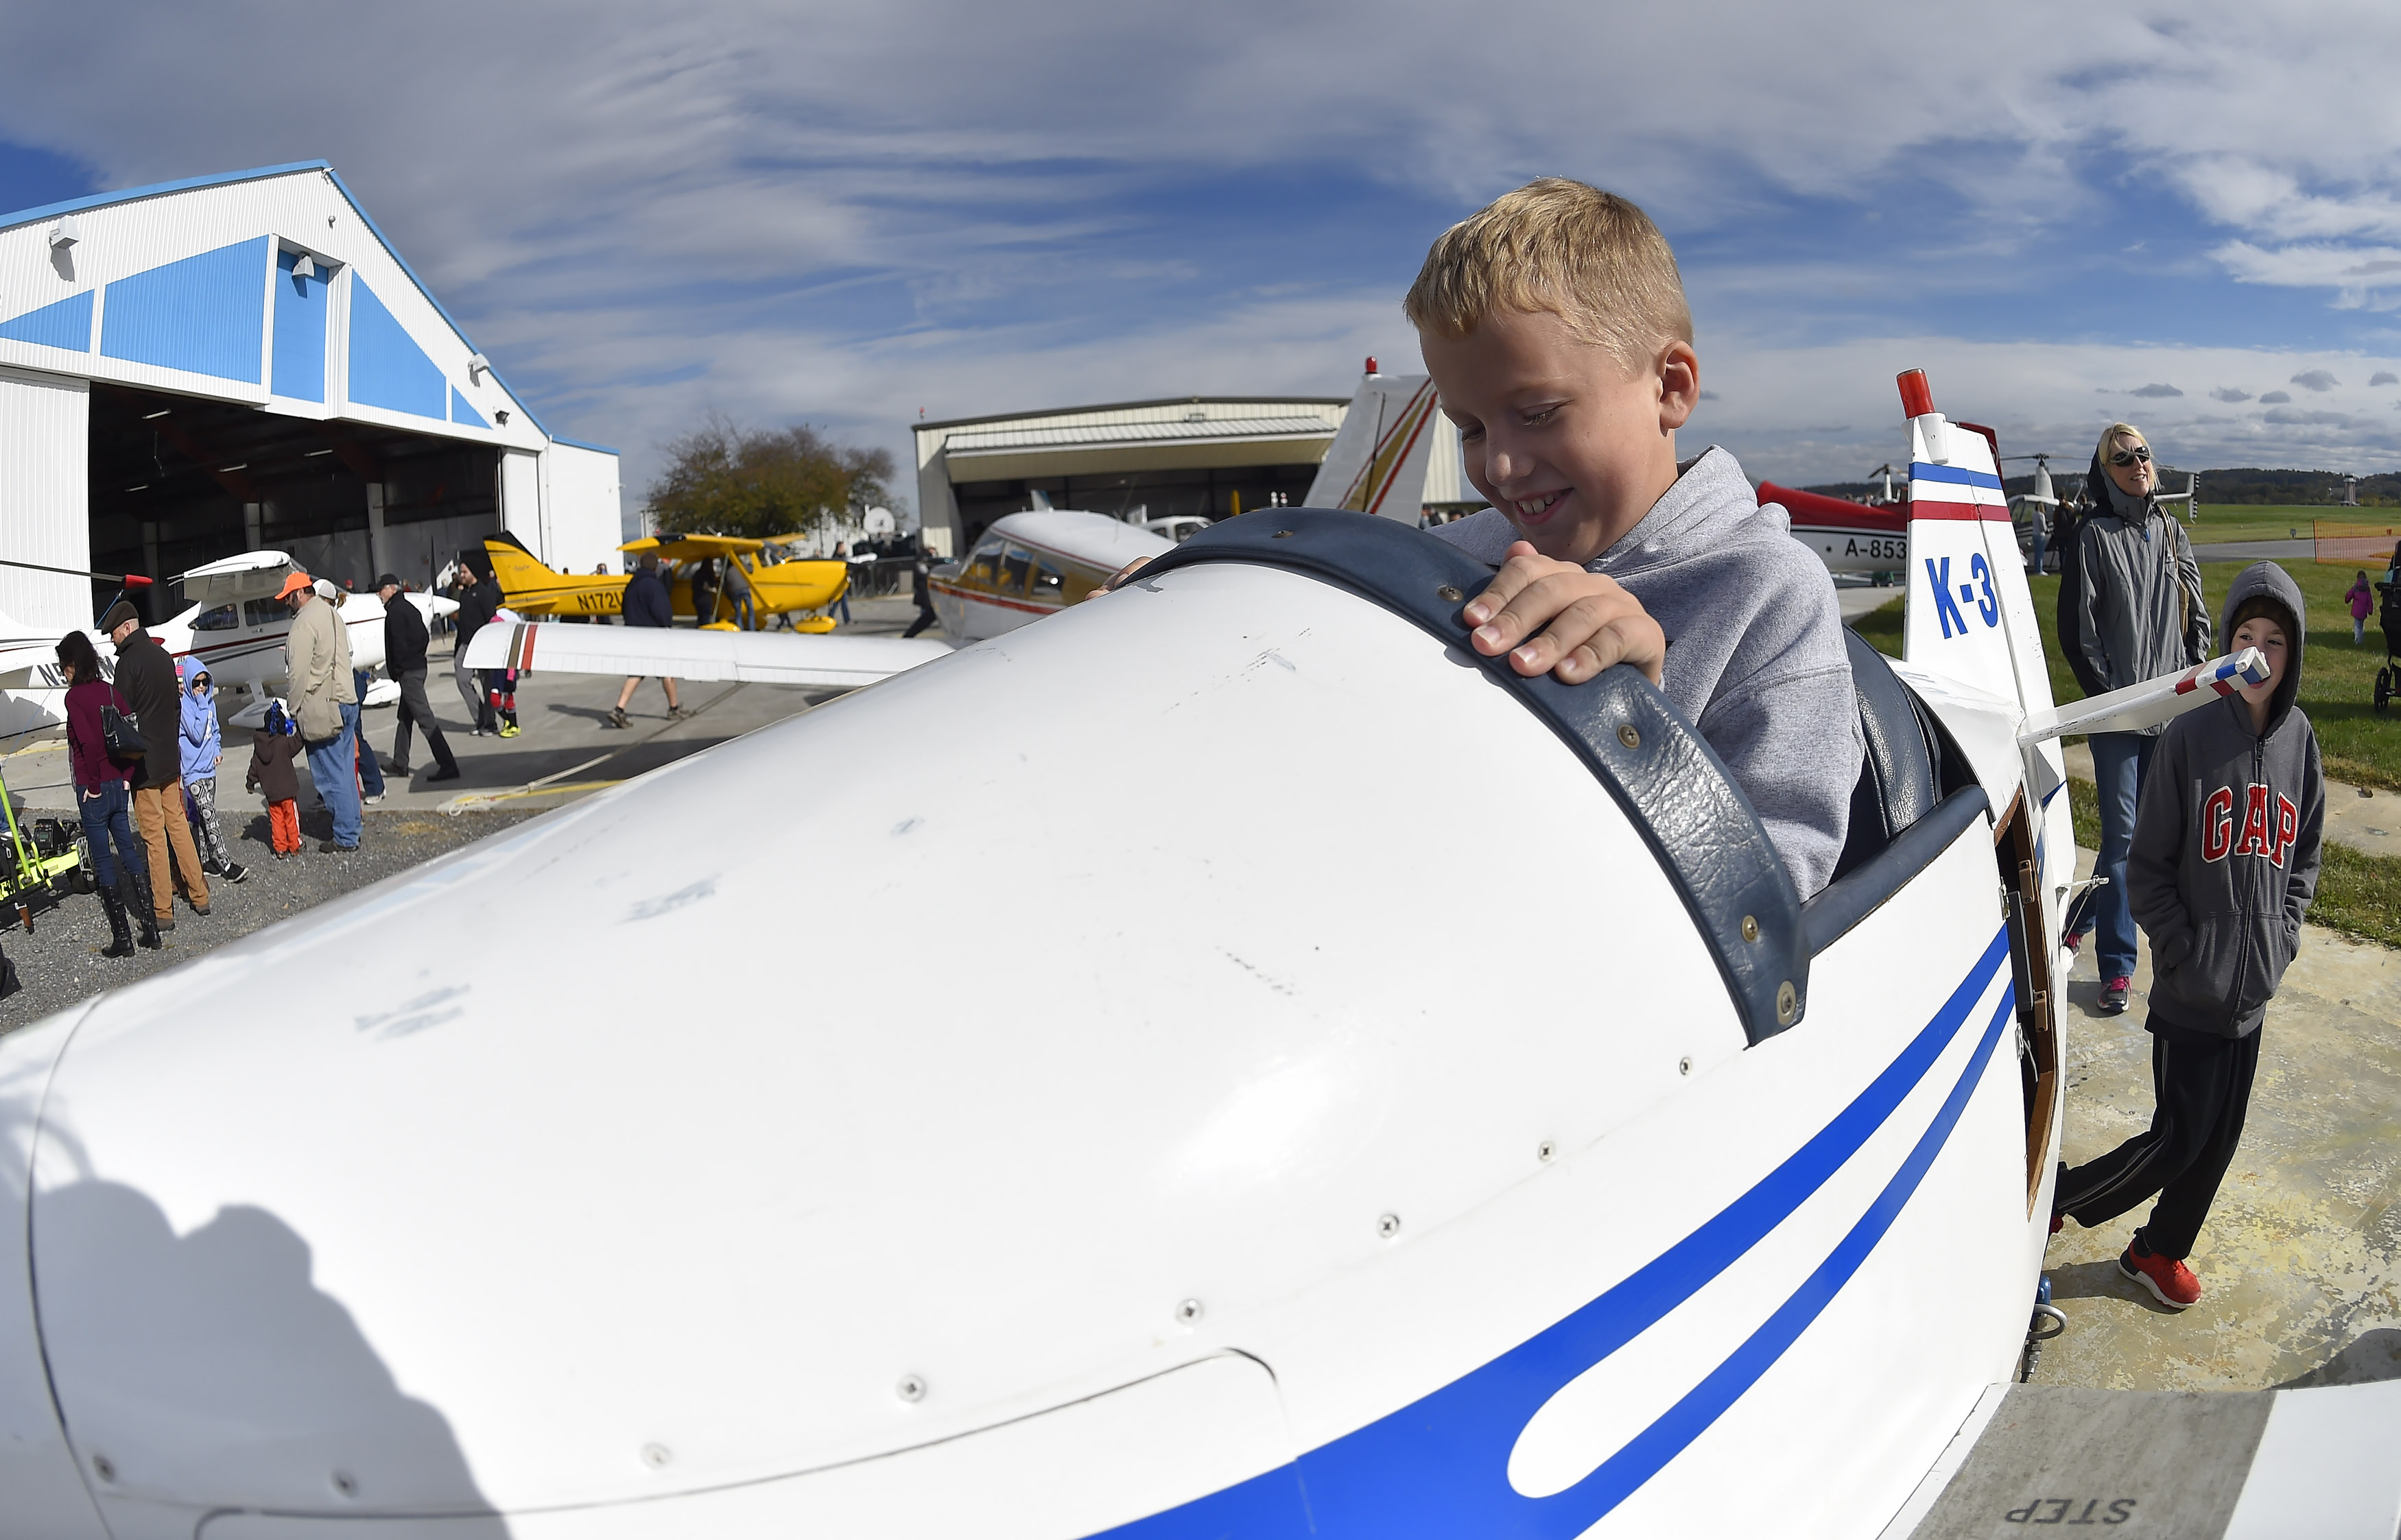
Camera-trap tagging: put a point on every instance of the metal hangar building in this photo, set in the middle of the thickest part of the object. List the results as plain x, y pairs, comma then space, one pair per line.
1215, 456
241, 363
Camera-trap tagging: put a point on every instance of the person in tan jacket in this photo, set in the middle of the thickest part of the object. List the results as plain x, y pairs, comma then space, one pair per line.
317, 658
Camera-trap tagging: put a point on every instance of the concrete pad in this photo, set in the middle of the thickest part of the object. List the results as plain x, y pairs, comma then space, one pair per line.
564, 751
2300, 1259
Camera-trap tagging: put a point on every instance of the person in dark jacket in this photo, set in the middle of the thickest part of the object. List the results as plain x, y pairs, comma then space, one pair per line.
273, 750
146, 676
2224, 864
478, 601
2131, 610
405, 641
102, 798
921, 579
646, 604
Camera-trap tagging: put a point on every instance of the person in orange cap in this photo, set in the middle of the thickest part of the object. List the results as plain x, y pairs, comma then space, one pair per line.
318, 663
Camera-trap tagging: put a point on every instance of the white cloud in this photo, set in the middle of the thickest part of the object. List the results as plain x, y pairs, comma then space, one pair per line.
840, 213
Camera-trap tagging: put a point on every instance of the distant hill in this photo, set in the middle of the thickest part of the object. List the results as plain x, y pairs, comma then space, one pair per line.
2287, 489
2300, 488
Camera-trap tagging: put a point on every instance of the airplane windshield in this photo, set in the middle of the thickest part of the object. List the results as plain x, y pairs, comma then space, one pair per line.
222, 618
980, 562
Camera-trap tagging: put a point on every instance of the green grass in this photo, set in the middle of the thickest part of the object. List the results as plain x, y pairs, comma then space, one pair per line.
2226, 522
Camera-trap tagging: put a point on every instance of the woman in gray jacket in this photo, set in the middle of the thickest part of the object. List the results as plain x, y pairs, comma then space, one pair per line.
2131, 609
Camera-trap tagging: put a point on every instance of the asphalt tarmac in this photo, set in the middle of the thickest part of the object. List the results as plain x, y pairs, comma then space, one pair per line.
564, 752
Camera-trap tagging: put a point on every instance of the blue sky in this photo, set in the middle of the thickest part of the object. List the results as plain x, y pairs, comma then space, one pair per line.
844, 215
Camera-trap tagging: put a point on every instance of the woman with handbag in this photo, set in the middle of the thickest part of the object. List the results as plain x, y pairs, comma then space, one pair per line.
102, 743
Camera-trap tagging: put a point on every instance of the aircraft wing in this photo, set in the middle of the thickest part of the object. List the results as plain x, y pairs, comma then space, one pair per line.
692, 548
2149, 703
754, 657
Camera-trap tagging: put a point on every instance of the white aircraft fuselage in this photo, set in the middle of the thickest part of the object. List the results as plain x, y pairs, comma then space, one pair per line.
1333, 1207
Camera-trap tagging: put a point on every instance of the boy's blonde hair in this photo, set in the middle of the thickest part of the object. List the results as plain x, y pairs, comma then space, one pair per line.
1589, 258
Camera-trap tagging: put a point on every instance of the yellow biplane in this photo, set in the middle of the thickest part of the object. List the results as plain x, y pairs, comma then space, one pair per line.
800, 590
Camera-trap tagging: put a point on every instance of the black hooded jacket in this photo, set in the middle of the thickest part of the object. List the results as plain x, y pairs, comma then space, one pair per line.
403, 638
2225, 859
147, 678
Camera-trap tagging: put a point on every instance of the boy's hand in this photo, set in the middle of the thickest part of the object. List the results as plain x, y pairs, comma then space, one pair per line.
1554, 617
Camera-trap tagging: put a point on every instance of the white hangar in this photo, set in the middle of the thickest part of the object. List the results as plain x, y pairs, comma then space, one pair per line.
237, 363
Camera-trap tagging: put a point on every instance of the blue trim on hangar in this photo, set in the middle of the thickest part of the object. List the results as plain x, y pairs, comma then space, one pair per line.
461, 412
388, 368
299, 346
159, 189
202, 314
64, 324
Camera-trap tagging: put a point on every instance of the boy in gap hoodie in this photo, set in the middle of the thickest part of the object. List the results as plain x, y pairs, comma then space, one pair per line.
203, 747
2224, 864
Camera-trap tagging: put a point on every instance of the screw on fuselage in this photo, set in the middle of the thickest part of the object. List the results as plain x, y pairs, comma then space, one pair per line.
1545, 1150
910, 1388
1189, 1312
1388, 1226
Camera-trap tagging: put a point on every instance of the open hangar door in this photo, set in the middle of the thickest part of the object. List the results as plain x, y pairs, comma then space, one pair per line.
176, 481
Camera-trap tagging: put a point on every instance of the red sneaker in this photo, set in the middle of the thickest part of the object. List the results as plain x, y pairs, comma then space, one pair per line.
2113, 996
2171, 1283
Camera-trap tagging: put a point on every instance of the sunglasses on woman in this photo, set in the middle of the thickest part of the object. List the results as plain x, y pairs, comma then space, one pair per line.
2128, 457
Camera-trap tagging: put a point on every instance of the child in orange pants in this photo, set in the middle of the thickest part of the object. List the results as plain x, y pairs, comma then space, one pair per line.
272, 749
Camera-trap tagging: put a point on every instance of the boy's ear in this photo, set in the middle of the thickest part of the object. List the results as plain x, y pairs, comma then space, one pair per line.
1678, 372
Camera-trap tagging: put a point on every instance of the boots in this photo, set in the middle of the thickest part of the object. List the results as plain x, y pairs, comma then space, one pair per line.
120, 933
134, 893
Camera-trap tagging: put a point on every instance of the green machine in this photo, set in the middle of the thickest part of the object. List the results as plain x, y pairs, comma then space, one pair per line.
44, 858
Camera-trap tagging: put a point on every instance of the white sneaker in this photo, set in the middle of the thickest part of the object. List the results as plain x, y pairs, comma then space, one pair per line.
372, 801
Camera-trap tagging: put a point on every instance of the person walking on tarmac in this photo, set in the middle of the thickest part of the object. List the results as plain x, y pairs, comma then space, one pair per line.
146, 676
101, 800
318, 655
921, 580
477, 603
405, 641
646, 605
2131, 609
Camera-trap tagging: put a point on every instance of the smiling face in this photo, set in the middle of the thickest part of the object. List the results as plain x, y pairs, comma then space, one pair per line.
2135, 480
1557, 433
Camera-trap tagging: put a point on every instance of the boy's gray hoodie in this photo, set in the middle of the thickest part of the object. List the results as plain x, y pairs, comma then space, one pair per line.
2225, 859
1755, 652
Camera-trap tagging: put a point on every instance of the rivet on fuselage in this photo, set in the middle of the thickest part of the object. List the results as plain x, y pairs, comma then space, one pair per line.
1388, 1226
344, 1483
1684, 1064
1189, 1312
910, 1388
1284, 534
657, 1456
1449, 594
1545, 1150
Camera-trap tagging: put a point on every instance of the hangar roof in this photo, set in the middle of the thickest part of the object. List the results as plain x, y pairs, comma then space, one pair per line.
22, 217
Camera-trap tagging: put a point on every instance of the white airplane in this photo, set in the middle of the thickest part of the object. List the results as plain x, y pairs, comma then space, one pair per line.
451, 1210
235, 625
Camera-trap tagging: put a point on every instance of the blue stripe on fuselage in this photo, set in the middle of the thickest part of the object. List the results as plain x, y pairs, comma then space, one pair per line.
1439, 1467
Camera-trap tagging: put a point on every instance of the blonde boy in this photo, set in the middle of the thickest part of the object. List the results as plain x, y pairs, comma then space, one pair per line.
1554, 327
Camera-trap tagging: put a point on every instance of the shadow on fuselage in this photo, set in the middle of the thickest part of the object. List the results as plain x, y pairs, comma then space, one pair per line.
207, 1370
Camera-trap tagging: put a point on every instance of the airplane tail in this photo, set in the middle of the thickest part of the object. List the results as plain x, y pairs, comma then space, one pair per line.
1376, 463
519, 569
1970, 615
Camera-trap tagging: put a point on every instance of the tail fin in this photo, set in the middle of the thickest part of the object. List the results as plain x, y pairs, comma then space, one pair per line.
1970, 615
1376, 463
519, 570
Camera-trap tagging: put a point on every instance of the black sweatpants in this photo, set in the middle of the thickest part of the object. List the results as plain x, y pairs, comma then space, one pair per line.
2201, 1088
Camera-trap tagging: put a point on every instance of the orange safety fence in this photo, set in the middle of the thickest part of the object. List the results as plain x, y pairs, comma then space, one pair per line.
2354, 545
